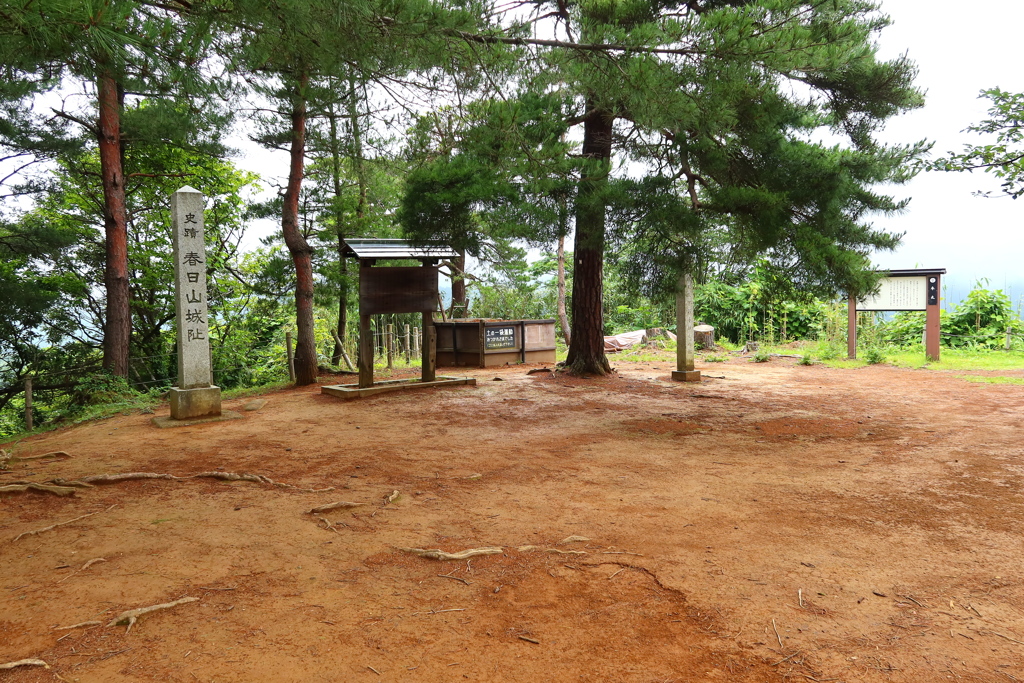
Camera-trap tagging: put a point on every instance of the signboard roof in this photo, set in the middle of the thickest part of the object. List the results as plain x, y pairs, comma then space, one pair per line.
912, 272
397, 249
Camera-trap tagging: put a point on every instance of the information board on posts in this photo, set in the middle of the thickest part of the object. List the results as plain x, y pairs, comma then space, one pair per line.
500, 338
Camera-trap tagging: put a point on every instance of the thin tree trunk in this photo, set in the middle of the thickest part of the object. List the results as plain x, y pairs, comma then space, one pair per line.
586, 346
339, 224
459, 284
117, 327
302, 254
357, 155
562, 319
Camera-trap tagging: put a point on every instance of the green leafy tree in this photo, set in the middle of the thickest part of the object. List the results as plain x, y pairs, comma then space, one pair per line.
715, 106
74, 207
117, 50
289, 51
1003, 158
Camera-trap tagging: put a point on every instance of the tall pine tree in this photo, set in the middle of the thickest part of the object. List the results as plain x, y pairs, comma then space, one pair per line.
713, 112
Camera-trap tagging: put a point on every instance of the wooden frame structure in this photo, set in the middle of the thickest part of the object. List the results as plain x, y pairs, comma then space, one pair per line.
395, 289
929, 282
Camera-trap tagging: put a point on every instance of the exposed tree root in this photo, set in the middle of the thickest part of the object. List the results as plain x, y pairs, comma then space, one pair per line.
327, 522
574, 539
84, 567
52, 454
54, 526
119, 477
82, 624
639, 568
222, 476
23, 662
26, 486
341, 504
131, 616
461, 555
531, 548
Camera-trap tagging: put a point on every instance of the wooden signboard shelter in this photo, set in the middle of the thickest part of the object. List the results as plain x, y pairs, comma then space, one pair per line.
395, 289
913, 289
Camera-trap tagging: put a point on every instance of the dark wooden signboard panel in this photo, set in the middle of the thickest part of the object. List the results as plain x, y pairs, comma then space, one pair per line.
397, 290
500, 338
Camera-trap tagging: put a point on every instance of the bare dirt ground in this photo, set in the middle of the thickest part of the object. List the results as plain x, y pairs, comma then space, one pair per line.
773, 523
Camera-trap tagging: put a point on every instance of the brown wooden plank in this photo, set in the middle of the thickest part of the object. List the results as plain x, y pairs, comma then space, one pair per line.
397, 290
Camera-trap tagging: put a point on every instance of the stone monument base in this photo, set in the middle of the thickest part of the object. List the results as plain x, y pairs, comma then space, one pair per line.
167, 421
686, 375
187, 404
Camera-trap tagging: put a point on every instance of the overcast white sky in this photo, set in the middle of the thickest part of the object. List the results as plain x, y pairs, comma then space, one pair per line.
960, 50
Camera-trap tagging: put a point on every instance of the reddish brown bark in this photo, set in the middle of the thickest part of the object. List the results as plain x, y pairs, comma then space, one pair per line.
117, 328
459, 298
586, 346
302, 254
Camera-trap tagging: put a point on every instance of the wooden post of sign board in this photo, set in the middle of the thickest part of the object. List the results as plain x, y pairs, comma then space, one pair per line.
483, 343
685, 371
932, 327
389, 344
365, 353
851, 329
429, 373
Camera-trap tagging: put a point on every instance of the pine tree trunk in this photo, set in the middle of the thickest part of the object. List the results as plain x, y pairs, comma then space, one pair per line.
302, 254
562, 319
336, 357
459, 284
339, 224
117, 328
586, 345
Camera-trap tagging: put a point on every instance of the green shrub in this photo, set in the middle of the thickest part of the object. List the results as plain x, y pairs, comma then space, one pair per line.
762, 356
874, 355
103, 388
805, 360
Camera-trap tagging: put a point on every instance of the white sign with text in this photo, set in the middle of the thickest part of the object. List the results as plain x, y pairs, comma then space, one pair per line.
898, 294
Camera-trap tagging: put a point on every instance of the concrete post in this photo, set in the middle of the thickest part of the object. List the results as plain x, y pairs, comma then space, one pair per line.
195, 396
685, 355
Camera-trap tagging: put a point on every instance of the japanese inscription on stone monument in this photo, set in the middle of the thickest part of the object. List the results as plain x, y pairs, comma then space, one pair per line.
190, 289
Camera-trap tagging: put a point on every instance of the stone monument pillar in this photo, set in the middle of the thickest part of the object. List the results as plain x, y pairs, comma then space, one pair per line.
685, 371
195, 396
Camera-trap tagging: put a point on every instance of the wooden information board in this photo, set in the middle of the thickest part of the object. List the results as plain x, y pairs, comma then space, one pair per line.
397, 290
898, 294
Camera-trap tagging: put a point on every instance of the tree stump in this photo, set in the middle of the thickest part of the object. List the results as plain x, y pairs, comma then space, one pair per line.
704, 336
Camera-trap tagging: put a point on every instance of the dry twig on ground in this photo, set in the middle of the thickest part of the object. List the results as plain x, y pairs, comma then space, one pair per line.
131, 616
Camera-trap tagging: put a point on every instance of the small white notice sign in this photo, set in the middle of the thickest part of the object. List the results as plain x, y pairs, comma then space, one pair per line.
898, 294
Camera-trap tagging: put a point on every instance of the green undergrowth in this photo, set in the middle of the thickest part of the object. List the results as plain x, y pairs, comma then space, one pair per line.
992, 380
